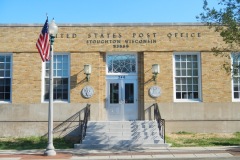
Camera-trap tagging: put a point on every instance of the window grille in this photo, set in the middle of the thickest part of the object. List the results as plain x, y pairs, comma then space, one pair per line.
125, 63
60, 78
5, 78
187, 76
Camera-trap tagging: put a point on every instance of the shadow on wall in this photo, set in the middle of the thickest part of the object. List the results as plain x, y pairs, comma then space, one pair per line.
74, 79
150, 79
70, 129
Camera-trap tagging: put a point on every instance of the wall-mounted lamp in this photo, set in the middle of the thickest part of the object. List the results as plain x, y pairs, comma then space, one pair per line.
87, 70
155, 71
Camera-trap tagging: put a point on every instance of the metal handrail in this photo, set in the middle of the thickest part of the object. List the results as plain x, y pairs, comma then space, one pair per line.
160, 121
84, 122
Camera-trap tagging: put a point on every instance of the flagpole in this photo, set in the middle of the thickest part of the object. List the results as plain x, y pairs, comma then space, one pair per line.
50, 150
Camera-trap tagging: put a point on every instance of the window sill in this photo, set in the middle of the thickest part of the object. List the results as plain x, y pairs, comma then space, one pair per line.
187, 101
5, 102
56, 102
236, 100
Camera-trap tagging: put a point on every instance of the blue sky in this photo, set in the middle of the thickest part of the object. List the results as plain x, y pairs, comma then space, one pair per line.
101, 11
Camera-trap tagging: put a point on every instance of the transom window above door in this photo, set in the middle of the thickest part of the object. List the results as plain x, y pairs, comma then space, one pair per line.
121, 63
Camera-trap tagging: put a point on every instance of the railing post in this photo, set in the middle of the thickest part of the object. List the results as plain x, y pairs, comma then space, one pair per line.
160, 121
84, 122
80, 133
164, 130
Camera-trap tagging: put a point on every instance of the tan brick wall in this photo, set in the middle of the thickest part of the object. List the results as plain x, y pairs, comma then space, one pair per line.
78, 78
216, 82
216, 109
164, 80
26, 78
102, 86
20, 40
23, 38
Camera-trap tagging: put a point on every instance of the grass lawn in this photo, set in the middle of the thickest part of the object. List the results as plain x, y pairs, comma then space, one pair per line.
180, 139
185, 139
32, 143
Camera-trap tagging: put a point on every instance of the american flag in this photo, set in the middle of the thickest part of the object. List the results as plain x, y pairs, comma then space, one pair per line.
43, 44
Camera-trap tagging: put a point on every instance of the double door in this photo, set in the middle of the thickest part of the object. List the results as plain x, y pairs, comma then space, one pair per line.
122, 99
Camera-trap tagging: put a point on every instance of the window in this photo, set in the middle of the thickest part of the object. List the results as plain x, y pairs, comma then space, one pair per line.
121, 63
60, 78
236, 77
5, 78
187, 77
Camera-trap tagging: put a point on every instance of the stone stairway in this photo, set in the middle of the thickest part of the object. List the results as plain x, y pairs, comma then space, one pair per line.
121, 134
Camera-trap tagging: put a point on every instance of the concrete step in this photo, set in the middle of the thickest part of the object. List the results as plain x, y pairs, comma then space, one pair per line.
121, 134
124, 131
116, 146
122, 141
121, 123
121, 138
155, 130
127, 137
105, 127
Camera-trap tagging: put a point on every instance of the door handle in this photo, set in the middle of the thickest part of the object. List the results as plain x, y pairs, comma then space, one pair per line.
121, 102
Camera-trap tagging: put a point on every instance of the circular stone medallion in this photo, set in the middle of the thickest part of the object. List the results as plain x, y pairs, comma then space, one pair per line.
87, 92
155, 91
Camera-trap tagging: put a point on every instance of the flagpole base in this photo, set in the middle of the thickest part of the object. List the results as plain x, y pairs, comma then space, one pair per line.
50, 152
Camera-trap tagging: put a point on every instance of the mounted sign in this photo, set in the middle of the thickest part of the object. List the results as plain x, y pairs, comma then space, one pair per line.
87, 92
155, 91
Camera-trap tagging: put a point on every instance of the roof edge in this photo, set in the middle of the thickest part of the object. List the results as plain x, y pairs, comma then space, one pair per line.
103, 24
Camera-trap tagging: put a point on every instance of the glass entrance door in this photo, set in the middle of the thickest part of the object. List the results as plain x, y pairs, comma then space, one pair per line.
122, 99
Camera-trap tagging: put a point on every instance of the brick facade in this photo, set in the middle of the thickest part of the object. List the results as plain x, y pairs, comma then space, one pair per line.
88, 44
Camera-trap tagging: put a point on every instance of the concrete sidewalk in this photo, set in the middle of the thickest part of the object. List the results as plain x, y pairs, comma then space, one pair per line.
136, 153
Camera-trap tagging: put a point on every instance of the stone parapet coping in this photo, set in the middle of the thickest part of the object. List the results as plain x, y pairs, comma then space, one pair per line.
104, 24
